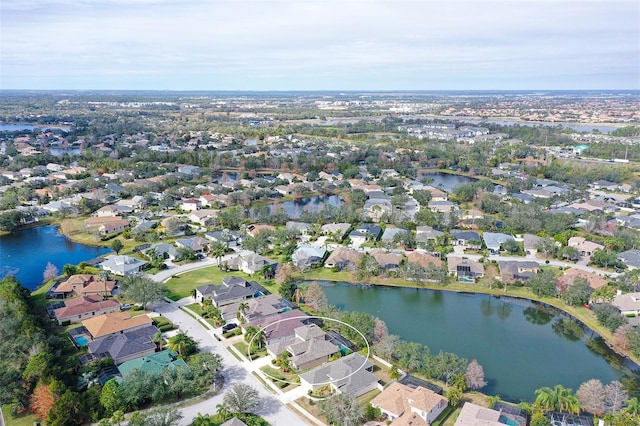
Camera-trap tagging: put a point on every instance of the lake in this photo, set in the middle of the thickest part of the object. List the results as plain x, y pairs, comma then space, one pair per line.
522, 345
11, 127
445, 181
25, 253
296, 208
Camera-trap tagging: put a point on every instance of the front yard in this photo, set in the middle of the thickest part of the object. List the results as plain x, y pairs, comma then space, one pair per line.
285, 381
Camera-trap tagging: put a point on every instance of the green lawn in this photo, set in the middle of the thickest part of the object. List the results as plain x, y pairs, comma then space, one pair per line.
26, 419
285, 381
181, 285
242, 347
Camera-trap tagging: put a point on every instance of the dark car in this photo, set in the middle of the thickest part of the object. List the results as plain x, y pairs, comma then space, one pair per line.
229, 327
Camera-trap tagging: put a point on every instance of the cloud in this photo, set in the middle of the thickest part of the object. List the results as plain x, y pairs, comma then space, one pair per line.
266, 44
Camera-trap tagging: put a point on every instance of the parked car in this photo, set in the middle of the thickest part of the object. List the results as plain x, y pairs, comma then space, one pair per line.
228, 327
125, 306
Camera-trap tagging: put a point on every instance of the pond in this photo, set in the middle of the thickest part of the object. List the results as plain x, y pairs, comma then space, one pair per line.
445, 181
522, 345
25, 253
296, 208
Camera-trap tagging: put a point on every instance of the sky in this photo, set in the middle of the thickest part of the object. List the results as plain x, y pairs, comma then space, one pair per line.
319, 44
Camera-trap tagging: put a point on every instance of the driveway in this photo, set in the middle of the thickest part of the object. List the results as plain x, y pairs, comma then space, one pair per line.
274, 411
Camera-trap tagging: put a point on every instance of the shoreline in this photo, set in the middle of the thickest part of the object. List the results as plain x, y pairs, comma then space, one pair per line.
605, 334
626, 355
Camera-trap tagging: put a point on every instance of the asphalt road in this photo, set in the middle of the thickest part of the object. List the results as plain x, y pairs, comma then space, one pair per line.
274, 411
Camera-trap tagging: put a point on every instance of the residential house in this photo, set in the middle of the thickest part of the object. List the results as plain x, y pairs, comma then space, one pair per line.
410, 406
251, 263
164, 250
586, 248
113, 323
85, 285
126, 346
190, 170
424, 259
202, 217
307, 256
515, 270
132, 204
425, 234
107, 211
337, 230
256, 228
494, 241
343, 258
232, 239
259, 308
152, 364
197, 244
122, 265
376, 208
390, 233
387, 261
438, 194
444, 207
531, 243
280, 326
94, 223
476, 415
190, 205
301, 228
465, 270
233, 289
370, 231
630, 258
568, 278
628, 304
351, 375
76, 310
308, 348
113, 227
469, 239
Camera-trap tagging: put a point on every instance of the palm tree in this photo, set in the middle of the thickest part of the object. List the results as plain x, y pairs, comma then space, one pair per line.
222, 410
243, 307
182, 343
218, 249
632, 407
557, 399
194, 292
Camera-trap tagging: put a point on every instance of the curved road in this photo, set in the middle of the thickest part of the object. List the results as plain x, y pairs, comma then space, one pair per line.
274, 411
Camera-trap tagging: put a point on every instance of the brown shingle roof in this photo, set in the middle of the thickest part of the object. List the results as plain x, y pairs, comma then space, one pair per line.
115, 322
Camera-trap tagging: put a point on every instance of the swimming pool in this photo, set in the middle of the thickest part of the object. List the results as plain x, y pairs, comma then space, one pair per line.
81, 340
508, 421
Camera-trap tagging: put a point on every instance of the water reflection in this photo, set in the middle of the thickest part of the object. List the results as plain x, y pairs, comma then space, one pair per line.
568, 328
538, 314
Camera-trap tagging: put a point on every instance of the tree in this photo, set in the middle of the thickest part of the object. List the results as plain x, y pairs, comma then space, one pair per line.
608, 316
546, 246
578, 293
543, 283
183, 344
243, 307
447, 365
42, 401
111, 396
380, 331
69, 269
116, 245
315, 297
164, 417
67, 411
241, 398
254, 335
557, 399
387, 346
342, 409
371, 412
50, 272
591, 396
217, 250
454, 395
287, 288
614, 396
474, 376
142, 289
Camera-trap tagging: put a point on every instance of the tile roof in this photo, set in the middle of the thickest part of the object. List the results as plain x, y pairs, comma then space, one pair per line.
153, 364
121, 346
115, 322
